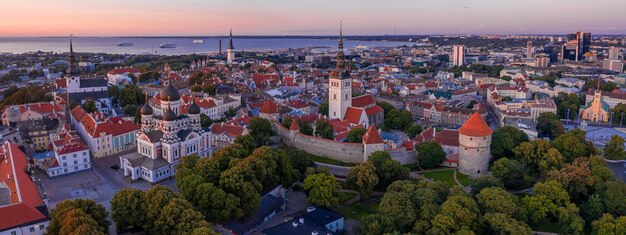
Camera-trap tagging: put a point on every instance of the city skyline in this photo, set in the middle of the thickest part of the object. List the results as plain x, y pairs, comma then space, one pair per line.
281, 17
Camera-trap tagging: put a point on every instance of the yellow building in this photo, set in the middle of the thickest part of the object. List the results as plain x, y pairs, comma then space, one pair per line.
597, 110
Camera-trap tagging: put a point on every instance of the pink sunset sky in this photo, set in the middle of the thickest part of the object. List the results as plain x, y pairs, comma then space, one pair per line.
308, 17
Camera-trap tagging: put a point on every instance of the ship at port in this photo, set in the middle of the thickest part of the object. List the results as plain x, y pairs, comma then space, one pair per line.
198, 41
168, 45
126, 44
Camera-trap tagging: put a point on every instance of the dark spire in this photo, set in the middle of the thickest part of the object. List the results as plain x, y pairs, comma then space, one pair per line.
340, 71
71, 67
230, 42
340, 62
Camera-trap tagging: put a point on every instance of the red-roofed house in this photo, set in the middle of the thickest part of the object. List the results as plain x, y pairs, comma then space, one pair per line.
35, 111
225, 134
375, 114
299, 105
269, 108
22, 210
70, 155
356, 116
103, 135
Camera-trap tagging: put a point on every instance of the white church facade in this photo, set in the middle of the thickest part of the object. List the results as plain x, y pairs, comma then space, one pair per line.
164, 139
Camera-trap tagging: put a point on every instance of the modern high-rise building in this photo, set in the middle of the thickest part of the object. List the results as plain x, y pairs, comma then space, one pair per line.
529, 49
458, 55
578, 44
614, 53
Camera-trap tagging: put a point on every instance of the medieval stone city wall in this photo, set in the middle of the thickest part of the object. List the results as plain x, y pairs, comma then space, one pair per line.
402, 155
345, 152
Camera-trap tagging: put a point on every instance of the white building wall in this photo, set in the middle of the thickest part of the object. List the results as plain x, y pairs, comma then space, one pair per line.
474, 155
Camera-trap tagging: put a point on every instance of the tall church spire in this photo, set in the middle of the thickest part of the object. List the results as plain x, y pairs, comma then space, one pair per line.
71, 67
230, 39
340, 62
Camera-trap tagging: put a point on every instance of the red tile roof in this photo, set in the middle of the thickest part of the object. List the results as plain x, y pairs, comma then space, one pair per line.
447, 137
475, 126
373, 110
294, 126
269, 107
230, 130
126, 70
364, 100
24, 194
95, 124
44, 108
372, 136
353, 115
297, 104
60, 83
452, 158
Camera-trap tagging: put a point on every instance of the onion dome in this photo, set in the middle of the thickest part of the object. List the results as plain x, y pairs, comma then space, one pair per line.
194, 109
169, 115
475, 126
146, 109
169, 93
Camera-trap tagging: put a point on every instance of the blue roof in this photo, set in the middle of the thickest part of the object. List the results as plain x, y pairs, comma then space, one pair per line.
317, 100
389, 136
315, 220
43, 155
297, 112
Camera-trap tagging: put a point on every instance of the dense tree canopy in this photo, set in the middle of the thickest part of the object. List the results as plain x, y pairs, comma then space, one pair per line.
573, 144
549, 125
614, 149
355, 135
126, 209
430, 154
260, 130
619, 111
413, 130
90, 105
322, 189
363, 178
504, 140
235, 175
568, 103
387, 169
324, 129
77, 217
397, 120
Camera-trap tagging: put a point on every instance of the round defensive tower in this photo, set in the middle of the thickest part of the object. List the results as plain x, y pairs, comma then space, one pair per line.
474, 146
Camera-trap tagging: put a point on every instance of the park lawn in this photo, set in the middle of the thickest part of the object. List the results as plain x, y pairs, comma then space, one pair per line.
442, 175
345, 196
359, 210
463, 178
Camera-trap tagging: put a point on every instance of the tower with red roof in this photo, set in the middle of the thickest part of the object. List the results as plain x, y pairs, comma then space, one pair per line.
474, 146
372, 142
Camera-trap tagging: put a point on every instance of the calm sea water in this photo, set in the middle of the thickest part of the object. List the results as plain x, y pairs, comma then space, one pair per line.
150, 45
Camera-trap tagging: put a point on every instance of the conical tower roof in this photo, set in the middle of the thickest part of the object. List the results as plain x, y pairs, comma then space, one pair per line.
294, 126
475, 126
372, 136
